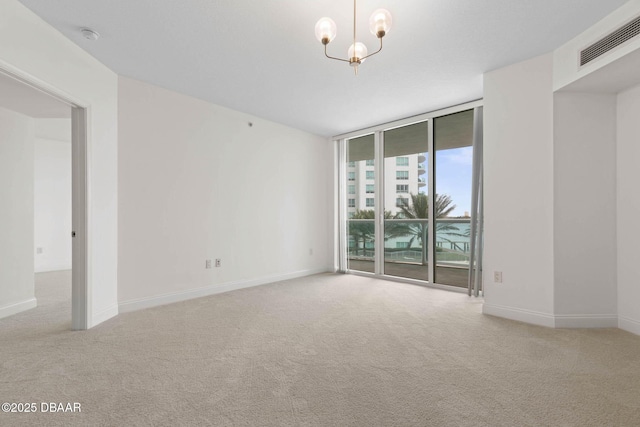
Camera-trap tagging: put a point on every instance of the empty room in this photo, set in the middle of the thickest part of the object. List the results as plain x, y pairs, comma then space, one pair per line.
329, 213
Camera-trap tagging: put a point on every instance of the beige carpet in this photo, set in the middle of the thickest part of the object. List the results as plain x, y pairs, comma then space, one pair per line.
328, 350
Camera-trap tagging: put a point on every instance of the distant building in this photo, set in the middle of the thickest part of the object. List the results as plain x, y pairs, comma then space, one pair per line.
403, 175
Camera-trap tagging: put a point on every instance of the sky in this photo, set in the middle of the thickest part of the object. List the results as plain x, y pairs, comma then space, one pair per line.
453, 177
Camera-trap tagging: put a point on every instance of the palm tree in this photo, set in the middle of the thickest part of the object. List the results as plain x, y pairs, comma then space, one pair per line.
419, 209
364, 230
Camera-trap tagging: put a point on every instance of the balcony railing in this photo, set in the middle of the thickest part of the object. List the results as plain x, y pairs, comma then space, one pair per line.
452, 246
452, 242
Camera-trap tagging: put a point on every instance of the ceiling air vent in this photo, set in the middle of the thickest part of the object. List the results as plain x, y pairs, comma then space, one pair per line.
613, 40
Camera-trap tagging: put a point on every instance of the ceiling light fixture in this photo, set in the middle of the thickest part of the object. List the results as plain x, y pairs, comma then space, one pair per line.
379, 24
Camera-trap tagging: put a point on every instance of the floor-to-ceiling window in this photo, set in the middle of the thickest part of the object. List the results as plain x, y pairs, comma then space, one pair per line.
399, 176
360, 166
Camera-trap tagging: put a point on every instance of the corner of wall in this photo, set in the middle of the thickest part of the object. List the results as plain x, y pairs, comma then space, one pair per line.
629, 325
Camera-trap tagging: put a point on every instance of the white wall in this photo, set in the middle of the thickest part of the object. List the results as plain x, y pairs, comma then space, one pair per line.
585, 209
196, 182
518, 191
585, 172
16, 213
37, 52
628, 209
52, 198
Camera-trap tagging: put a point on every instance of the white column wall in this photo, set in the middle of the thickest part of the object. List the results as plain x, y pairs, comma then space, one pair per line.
36, 51
585, 210
628, 209
518, 191
16, 213
197, 182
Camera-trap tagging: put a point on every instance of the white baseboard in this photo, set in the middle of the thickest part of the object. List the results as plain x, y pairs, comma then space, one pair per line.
553, 320
169, 298
629, 325
586, 321
18, 307
50, 268
103, 315
521, 315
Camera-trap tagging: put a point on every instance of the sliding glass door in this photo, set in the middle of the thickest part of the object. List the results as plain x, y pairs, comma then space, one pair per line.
406, 223
453, 148
394, 180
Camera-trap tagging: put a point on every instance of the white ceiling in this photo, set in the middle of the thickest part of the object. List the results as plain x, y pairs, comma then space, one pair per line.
262, 58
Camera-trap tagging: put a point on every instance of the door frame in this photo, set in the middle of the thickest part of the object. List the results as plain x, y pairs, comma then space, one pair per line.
81, 285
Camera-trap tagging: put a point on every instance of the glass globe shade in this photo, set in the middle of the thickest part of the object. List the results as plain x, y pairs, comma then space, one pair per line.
358, 50
380, 22
325, 29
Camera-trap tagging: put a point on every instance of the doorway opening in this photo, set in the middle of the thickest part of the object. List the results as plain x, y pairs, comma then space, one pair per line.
43, 224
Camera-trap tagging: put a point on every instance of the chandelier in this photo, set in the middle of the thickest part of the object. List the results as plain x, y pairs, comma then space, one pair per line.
379, 24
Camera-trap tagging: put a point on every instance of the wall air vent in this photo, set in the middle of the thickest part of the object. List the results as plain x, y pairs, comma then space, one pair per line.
611, 41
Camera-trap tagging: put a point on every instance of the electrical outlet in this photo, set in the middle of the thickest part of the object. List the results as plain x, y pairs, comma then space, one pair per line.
39, 250
218, 262
310, 251
497, 276
207, 263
